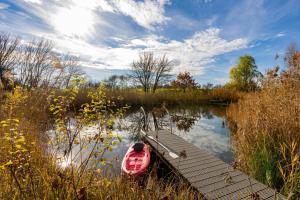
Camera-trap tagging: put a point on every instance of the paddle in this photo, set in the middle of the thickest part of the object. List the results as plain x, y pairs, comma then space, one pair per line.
172, 154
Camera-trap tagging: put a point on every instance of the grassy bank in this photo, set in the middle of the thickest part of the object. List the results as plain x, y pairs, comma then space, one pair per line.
171, 97
266, 133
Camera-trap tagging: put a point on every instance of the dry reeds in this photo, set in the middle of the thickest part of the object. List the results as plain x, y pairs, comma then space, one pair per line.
172, 97
267, 133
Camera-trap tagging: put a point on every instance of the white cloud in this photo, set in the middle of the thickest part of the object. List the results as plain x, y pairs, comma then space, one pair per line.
73, 21
212, 20
193, 54
147, 13
3, 6
281, 34
34, 1
80, 18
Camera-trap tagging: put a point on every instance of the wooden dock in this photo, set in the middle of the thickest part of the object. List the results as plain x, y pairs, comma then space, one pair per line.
210, 176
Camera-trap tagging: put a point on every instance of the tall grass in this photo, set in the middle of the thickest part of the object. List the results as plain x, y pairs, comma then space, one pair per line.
267, 133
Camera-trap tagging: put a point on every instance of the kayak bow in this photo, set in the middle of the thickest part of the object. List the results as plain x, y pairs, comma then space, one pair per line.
136, 160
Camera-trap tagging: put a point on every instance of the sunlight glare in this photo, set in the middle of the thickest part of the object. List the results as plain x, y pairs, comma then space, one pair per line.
64, 162
74, 21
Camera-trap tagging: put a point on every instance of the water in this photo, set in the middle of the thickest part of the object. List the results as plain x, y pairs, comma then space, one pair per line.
203, 126
209, 131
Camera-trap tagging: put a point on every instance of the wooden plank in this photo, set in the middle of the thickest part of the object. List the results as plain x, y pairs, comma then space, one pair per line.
172, 138
267, 192
223, 184
195, 174
201, 166
189, 153
222, 172
179, 146
256, 188
209, 175
228, 190
243, 189
206, 182
263, 191
195, 162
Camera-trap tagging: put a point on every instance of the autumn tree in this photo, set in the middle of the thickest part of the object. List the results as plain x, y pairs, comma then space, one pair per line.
184, 81
8, 58
150, 72
244, 76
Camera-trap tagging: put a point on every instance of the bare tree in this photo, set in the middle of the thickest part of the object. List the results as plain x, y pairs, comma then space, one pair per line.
8, 57
35, 68
149, 71
116, 81
142, 70
70, 68
112, 82
162, 72
123, 81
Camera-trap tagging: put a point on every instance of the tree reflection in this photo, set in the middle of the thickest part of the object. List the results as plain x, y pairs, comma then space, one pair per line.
158, 118
183, 123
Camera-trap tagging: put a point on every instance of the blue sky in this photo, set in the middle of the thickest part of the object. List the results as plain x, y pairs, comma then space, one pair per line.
205, 37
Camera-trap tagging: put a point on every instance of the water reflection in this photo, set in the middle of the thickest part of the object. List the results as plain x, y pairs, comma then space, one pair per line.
183, 123
202, 126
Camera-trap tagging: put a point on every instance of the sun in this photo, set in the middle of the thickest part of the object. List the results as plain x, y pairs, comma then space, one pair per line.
73, 21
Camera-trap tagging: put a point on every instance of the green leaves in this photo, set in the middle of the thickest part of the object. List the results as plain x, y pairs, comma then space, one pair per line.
244, 75
21, 140
72, 127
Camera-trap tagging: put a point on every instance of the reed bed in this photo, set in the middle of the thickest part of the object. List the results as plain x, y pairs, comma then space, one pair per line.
266, 133
168, 96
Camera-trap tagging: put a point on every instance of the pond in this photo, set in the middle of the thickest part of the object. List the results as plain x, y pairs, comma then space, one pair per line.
203, 126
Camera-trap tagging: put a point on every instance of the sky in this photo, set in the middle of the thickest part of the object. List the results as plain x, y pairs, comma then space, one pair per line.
204, 37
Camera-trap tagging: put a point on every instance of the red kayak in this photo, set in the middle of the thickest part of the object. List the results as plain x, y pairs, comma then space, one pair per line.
136, 160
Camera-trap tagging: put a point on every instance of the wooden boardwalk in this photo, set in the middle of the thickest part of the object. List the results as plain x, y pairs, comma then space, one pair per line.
213, 178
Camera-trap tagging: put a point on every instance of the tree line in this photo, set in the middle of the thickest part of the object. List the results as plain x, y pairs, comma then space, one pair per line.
35, 64
151, 72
